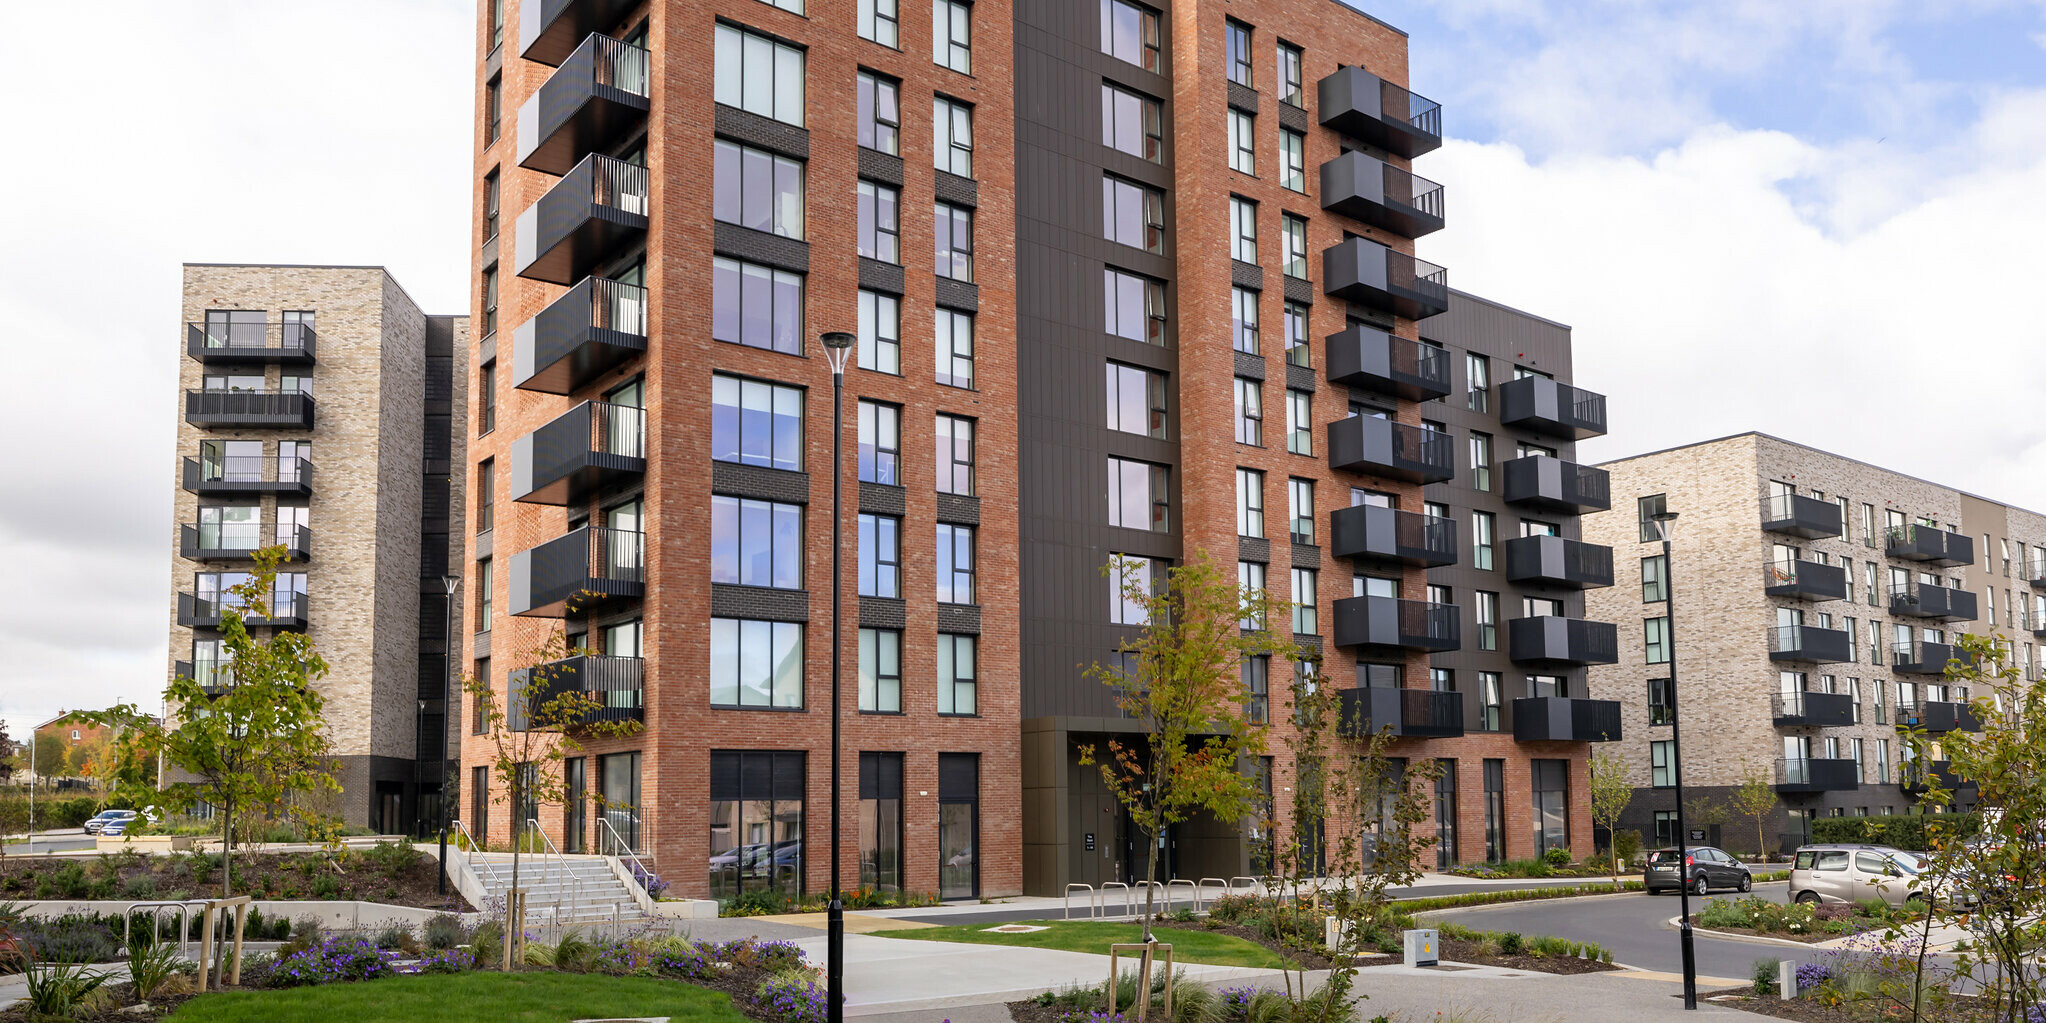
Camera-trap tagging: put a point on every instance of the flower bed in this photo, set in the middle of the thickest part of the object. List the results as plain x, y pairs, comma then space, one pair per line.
1800, 921
391, 873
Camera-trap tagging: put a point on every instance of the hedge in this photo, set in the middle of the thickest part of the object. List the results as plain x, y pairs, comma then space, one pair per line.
1903, 831
55, 812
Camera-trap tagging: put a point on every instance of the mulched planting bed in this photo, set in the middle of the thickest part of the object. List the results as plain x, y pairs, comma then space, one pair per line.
1310, 960
384, 875
111, 1010
1806, 1011
1455, 950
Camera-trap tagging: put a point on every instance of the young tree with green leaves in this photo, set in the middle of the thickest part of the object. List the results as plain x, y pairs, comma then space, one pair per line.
1755, 800
49, 755
1185, 690
1703, 812
250, 742
1611, 792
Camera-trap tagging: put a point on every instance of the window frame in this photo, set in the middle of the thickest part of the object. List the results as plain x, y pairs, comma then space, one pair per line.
953, 539
1242, 134
946, 338
873, 126
952, 236
947, 116
878, 240
880, 336
1293, 246
879, 569
1250, 414
958, 54
730, 40
1250, 502
1243, 229
1292, 161
946, 430
775, 632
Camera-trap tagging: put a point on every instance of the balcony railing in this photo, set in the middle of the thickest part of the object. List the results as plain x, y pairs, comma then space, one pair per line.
1923, 657
1809, 643
1373, 359
285, 410
1938, 716
593, 328
1804, 580
1368, 108
592, 446
1394, 623
1363, 271
1812, 710
1555, 561
1382, 195
589, 216
1556, 640
614, 682
249, 474
1552, 484
580, 570
1929, 544
1917, 776
1803, 776
550, 29
1418, 713
1388, 534
229, 541
1799, 515
287, 610
246, 343
1565, 719
1939, 603
1547, 407
591, 101
1381, 447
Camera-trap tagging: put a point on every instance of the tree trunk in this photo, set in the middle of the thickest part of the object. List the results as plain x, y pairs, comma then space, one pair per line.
1150, 884
514, 928
227, 850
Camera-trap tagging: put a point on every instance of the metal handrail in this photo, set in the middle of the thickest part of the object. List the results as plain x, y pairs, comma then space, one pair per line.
474, 848
236, 336
574, 884
627, 851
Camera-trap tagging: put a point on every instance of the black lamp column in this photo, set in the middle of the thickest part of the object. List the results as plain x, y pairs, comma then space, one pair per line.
447, 720
1666, 527
837, 345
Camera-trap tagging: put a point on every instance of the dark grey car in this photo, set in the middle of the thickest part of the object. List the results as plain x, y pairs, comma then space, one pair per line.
1702, 867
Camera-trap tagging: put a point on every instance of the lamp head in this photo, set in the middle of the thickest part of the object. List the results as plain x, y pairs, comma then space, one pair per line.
450, 582
1665, 525
836, 344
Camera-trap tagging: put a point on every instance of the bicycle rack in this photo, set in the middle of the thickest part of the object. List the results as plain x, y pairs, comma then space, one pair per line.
1202, 884
184, 910
1195, 888
1091, 905
1129, 900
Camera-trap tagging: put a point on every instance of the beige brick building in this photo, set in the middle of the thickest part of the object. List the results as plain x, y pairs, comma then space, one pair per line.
293, 368
1817, 601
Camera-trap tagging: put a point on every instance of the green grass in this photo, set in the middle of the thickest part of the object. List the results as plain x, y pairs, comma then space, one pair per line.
1205, 947
467, 998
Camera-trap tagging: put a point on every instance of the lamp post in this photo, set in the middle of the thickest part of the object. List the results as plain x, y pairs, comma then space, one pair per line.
837, 344
1666, 527
446, 719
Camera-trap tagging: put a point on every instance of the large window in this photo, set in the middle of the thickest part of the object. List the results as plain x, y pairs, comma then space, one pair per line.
757, 189
756, 822
952, 136
756, 306
1250, 503
1243, 230
1238, 51
1300, 509
1136, 400
1646, 509
1132, 214
1654, 579
1655, 640
955, 455
1292, 160
1129, 32
759, 75
1300, 422
879, 20
756, 423
486, 495
1243, 319
880, 556
1306, 603
880, 443
1662, 763
958, 688
880, 671
756, 543
952, 332
1242, 141
1137, 495
952, 35
1551, 804
880, 332
958, 825
1250, 578
755, 664
1477, 382
952, 227
1662, 706
1293, 246
1130, 578
881, 821
1250, 412
1257, 690
1290, 76
955, 564
1135, 307
1132, 123
880, 222
1495, 811
880, 116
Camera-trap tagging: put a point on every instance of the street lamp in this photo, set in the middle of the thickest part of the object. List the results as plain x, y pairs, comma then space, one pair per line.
449, 582
1665, 528
837, 344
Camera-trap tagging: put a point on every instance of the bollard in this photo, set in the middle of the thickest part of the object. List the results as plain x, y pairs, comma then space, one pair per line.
1786, 979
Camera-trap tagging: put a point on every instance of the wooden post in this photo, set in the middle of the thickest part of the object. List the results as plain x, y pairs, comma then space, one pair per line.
241, 920
1146, 953
206, 944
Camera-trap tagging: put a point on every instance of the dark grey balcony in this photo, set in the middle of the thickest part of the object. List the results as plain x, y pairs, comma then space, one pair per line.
1388, 534
595, 212
239, 541
1916, 777
1392, 623
615, 683
550, 29
1929, 544
592, 446
1937, 603
1551, 484
1366, 357
1546, 407
1383, 448
1381, 195
1368, 108
1804, 580
254, 474
1809, 643
573, 573
1414, 713
1560, 641
593, 100
1805, 777
1938, 716
287, 411
287, 611
1362, 271
1922, 657
593, 328
1564, 719
1799, 515
1554, 561
1812, 710
250, 344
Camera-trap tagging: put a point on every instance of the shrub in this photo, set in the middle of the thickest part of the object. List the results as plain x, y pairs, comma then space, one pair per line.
397, 936
392, 858
1557, 857
681, 958
621, 958
333, 960
444, 931
326, 886
648, 880
151, 964
487, 941
769, 956
64, 990
1764, 972
1903, 831
573, 952
1627, 844
447, 960
69, 939
1511, 943
1811, 975
792, 997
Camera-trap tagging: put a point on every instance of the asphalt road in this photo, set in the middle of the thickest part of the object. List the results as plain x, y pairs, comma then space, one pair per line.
58, 843
1636, 927
1002, 916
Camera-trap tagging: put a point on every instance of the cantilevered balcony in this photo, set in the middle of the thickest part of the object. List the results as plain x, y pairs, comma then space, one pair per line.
1937, 603
1812, 710
1392, 623
595, 212
1915, 777
2035, 570
287, 611
1562, 641
1370, 358
1929, 544
1938, 716
1565, 719
1388, 534
253, 343
1416, 713
590, 330
1382, 195
550, 29
1809, 643
593, 100
249, 474
1369, 109
1804, 580
614, 683
239, 541
592, 446
1551, 484
589, 566
292, 410
1546, 407
1800, 776
1799, 515
1923, 657
1555, 561
1362, 271
1383, 448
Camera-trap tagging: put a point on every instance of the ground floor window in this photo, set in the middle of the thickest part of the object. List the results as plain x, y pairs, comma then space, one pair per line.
574, 789
479, 804
1551, 805
756, 822
881, 821
1665, 827
958, 825
618, 786
1445, 816
1495, 811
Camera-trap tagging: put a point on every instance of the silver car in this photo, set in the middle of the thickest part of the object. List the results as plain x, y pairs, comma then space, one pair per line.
1851, 873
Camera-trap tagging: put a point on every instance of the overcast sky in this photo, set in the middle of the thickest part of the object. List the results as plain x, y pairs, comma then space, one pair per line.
1818, 218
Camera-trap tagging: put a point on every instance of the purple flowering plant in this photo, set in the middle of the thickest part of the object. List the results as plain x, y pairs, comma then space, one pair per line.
335, 959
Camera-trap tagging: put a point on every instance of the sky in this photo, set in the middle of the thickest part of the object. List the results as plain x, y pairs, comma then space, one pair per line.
1815, 218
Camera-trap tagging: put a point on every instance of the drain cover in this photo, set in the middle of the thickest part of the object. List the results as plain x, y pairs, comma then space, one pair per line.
1013, 929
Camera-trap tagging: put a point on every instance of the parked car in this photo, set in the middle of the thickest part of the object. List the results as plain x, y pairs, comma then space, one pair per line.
116, 828
100, 820
1851, 873
1703, 868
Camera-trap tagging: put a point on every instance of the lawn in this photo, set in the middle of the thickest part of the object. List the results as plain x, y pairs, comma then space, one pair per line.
1084, 936
481, 997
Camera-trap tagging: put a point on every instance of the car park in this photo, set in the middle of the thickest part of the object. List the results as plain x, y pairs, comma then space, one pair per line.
97, 824
1702, 868
1851, 873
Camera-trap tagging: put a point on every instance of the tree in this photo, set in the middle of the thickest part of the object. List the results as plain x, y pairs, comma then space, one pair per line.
543, 717
50, 756
1181, 679
8, 757
1611, 791
1755, 800
249, 742
1703, 812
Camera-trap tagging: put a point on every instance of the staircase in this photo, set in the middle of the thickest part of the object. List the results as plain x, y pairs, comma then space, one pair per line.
576, 890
